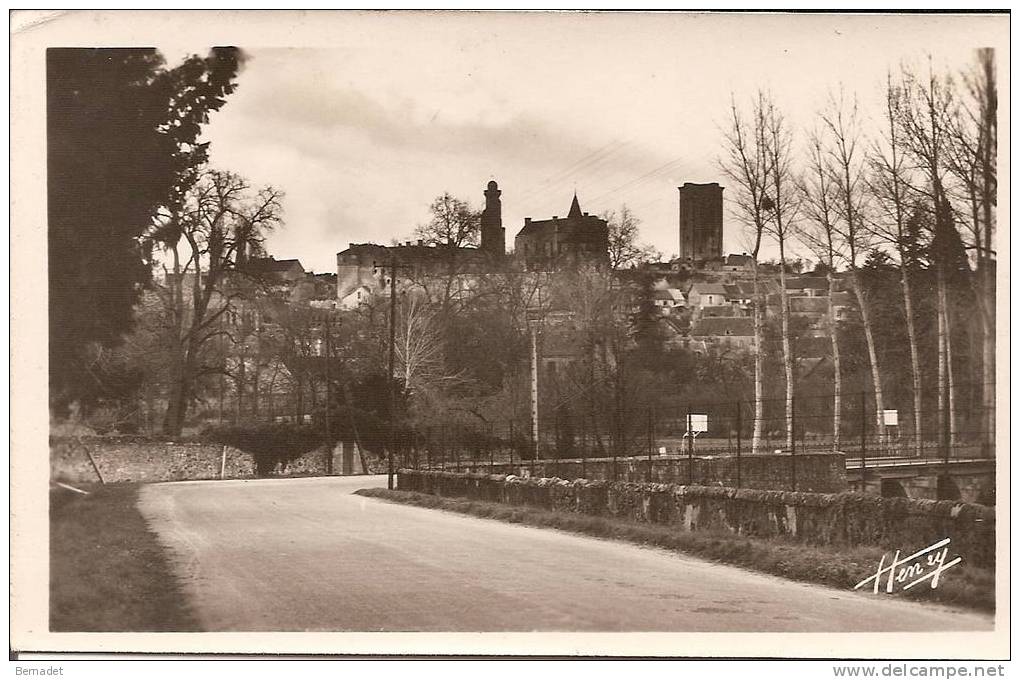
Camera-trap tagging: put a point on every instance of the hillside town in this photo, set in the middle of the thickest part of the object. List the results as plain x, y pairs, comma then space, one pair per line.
396, 345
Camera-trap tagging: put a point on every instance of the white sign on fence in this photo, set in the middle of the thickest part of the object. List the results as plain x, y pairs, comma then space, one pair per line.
891, 416
699, 422
662, 450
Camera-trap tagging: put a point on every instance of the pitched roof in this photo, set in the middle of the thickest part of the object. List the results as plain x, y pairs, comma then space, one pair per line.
717, 311
802, 282
575, 207
719, 326
662, 295
738, 260
703, 288
262, 265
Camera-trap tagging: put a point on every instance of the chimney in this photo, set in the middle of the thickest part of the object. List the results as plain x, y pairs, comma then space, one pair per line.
556, 217
527, 220
421, 242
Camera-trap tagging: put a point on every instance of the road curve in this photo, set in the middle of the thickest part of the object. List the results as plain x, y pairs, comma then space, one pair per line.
306, 555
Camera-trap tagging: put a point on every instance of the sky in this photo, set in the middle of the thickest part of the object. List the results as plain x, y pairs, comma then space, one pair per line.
363, 129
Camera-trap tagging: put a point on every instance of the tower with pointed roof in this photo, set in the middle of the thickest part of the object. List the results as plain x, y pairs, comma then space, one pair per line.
559, 242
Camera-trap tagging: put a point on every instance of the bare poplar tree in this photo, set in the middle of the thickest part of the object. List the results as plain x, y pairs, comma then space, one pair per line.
923, 118
745, 162
889, 182
972, 159
781, 206
819, 234
846, 162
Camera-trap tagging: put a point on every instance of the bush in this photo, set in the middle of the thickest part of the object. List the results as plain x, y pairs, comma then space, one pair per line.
269, 444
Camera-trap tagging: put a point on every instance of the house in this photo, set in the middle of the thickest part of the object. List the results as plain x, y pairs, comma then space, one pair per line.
738, 263
736, 332
706, 295
274, 271
578, 238
356, 297
842, 301
807, 286
720, 311
668, 299
809, 306
739, 293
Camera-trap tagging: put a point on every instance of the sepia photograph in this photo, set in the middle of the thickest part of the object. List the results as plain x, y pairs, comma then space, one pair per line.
494, 333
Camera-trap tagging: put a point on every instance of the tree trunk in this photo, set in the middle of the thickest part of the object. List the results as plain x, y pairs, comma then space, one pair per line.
239, 382
837, 377
759, 402
943, 397
915, 359
177, 404
950, 379
988, 381
876, 374
256, 380
784, 304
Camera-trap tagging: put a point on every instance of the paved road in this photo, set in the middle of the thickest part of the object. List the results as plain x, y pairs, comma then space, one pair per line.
305, 554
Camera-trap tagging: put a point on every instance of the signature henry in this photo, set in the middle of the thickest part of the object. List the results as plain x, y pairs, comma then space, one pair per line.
927, 563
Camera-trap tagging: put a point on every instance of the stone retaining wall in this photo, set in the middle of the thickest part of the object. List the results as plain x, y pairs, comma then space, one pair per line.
820, 519
141, 459
138, 459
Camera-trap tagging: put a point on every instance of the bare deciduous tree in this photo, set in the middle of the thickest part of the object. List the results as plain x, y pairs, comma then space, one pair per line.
745, 162
453, 223
924, 121
972, 159
890, 184
624, 248
781, 206
216, 225
820, 235
842, 122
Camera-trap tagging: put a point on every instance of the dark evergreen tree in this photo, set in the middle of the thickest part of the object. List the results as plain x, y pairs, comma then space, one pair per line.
122, 141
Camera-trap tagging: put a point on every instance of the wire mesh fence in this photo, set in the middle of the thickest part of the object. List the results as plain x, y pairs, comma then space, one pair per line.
865, 432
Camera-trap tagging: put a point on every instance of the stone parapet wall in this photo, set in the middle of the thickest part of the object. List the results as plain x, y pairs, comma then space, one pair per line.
814, 472
813, 518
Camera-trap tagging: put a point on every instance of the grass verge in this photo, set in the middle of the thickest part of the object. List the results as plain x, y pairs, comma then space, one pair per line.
835, 566
107, 571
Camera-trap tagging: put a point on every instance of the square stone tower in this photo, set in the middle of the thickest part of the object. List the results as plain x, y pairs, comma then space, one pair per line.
701, 211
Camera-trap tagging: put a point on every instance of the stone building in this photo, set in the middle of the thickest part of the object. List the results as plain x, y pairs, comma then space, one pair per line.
576, 239
363, 270
701, 221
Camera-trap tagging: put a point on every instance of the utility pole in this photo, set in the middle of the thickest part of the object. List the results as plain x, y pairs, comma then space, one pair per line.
393, 365
534, 393
327, 321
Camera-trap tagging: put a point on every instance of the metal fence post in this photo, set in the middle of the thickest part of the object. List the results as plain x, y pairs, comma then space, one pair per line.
511, 447
738, 443
650, 445
690, 450
864, 440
